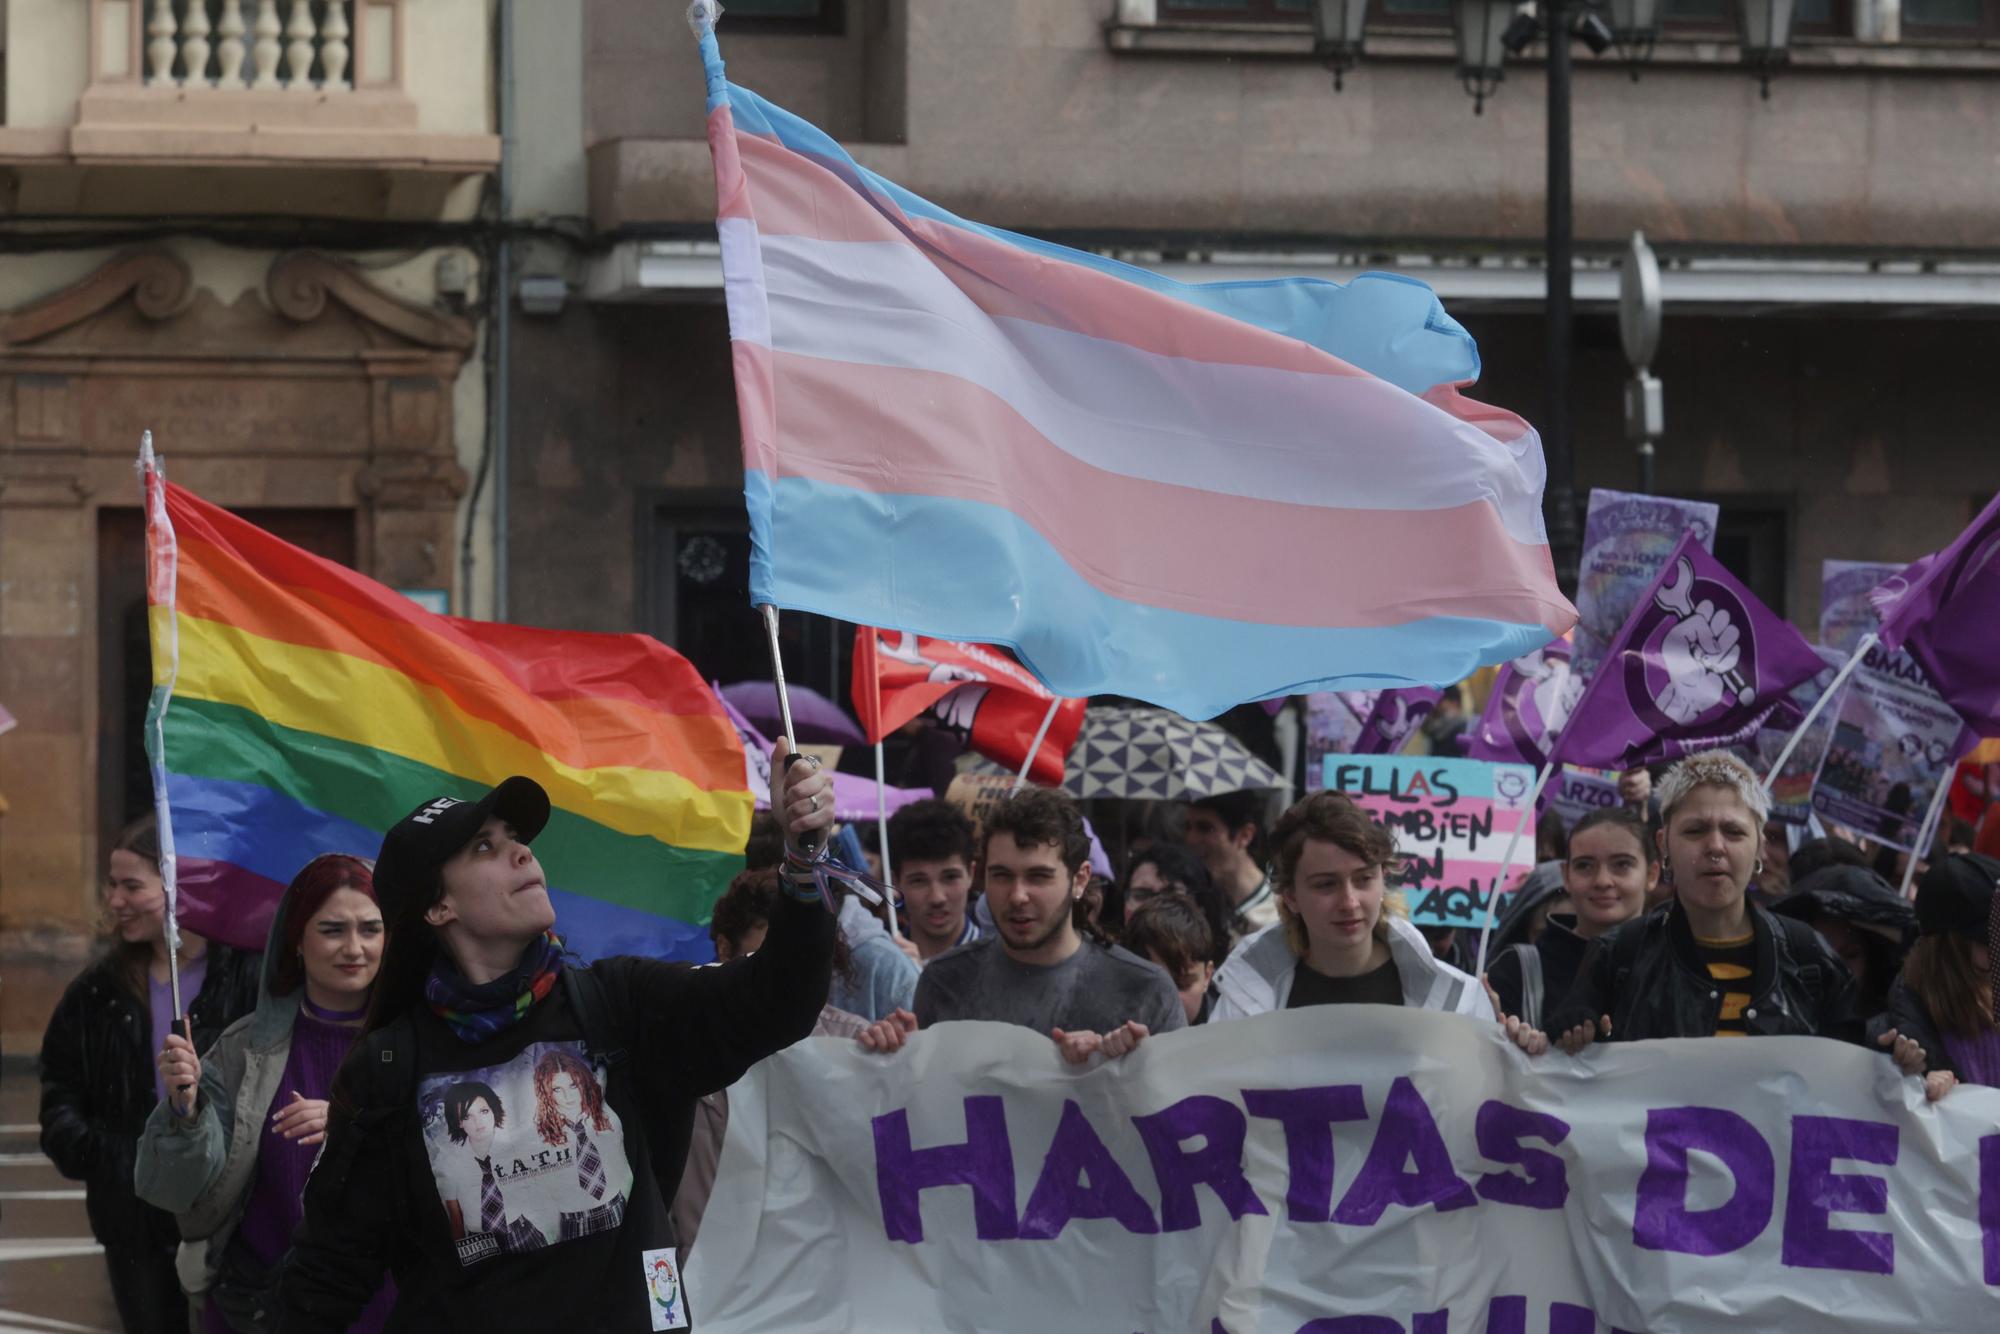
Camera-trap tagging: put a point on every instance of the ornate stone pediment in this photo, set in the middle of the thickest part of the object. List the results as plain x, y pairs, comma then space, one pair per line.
145, 303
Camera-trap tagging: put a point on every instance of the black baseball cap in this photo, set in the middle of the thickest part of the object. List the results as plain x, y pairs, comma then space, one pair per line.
1956, 894
433, 833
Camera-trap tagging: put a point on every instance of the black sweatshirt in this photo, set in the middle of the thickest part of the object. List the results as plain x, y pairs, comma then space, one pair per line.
542, 1212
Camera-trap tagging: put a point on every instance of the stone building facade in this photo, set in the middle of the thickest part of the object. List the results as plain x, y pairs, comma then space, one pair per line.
265, 252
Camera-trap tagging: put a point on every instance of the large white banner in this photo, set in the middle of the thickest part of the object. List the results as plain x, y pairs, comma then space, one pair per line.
1348, 1170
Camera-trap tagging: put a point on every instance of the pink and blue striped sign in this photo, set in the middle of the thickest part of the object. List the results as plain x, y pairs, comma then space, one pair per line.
1452, 821
1195, 495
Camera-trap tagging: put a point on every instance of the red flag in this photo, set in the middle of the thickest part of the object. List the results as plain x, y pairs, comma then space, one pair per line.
976, 690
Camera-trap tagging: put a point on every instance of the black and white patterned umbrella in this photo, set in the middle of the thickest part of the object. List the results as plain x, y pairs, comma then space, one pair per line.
1153, 754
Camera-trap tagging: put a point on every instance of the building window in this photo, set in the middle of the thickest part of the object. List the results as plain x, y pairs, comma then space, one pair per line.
1705, 18
1951, 18
1293, 11
808, 16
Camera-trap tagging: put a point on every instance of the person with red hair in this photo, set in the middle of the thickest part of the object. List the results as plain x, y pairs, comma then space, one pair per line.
229, 1149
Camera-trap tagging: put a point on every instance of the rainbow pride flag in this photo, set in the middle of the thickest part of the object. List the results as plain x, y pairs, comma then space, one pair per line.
302, 708
1192, 494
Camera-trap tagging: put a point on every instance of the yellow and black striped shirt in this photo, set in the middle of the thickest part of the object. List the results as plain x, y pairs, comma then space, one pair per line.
1730, 964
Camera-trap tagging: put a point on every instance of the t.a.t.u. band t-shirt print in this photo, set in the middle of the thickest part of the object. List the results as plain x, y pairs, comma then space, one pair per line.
526, 1154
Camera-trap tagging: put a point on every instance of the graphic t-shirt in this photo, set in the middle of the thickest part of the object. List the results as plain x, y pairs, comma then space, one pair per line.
527, 1153
1730, 964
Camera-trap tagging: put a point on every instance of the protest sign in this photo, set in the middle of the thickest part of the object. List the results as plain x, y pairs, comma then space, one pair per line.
1575, 793
1362, 722
1531, 701
1791, 789
1845, 611
1451, 820
1893, 743
1626, 542
1349, 1170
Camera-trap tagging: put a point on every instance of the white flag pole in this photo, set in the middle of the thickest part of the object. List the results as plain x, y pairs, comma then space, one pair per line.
809, 845
1035, 746
1847, 669
1927, 831
1506, 865
882, 837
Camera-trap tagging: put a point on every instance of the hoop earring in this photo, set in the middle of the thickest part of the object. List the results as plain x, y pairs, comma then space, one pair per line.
1759, 868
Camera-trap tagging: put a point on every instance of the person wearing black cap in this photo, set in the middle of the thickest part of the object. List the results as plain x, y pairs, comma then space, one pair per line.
473, 1202
1943, 1002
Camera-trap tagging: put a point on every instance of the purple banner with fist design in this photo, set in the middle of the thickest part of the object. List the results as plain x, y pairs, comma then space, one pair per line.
1700, 664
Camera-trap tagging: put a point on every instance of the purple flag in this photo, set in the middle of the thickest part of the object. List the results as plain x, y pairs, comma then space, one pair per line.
1531, 700
1362, 722
1945, 610
1392, 716
1700, 665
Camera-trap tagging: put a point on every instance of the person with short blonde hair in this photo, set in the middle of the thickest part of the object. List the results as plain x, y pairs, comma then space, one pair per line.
1708, 962
1342, 935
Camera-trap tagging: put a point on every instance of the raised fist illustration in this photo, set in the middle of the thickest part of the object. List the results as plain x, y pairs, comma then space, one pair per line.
1697, 653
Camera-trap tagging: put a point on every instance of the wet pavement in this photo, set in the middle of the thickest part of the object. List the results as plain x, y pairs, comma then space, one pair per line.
51, 1272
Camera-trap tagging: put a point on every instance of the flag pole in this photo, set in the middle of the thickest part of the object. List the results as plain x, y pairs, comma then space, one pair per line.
1847, 669
1507, 864
810, 844
882, 838
1035, 746
1927, 831
160, 540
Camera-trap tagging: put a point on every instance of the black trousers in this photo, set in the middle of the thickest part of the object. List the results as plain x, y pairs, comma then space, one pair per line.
147, 1289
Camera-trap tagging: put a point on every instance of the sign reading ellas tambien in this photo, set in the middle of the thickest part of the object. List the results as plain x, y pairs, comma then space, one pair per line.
1451, 820
1348, 1170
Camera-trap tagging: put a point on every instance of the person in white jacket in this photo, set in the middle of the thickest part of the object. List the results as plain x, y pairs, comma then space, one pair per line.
1342, 935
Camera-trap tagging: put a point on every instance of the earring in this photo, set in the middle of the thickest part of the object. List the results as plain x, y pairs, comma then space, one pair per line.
1760, 867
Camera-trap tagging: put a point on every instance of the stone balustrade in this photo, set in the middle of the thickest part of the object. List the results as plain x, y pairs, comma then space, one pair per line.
235, 46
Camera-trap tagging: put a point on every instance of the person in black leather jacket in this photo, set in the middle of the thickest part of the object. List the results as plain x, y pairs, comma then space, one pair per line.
98, 1081
1708, 962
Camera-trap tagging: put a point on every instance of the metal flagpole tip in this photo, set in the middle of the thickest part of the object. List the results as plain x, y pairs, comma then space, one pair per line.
702, 15
146, 458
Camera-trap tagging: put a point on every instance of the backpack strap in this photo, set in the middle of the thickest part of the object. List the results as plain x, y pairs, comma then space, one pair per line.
1530, 960
592, 1007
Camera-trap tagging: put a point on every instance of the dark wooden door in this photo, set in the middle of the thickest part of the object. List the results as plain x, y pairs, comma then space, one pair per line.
124, 653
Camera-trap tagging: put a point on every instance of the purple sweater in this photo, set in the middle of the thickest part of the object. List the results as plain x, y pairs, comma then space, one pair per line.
277, 1192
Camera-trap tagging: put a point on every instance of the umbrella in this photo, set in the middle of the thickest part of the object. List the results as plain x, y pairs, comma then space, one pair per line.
814, 717
1152, 754
853, 796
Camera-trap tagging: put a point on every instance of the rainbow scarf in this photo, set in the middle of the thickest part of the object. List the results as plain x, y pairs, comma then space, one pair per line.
477, 1012
302, 708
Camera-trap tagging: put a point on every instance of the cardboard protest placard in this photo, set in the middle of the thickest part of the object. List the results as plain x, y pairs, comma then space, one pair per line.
976, 794
1452, 819
1791, 790
1626, 542
1895, 741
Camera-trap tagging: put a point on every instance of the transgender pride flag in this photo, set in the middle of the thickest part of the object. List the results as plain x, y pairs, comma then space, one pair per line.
1192, 495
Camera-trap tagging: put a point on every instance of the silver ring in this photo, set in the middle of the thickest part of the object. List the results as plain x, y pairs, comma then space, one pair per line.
815, 802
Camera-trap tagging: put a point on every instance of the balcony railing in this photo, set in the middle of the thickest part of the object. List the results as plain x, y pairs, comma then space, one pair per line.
324, 46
